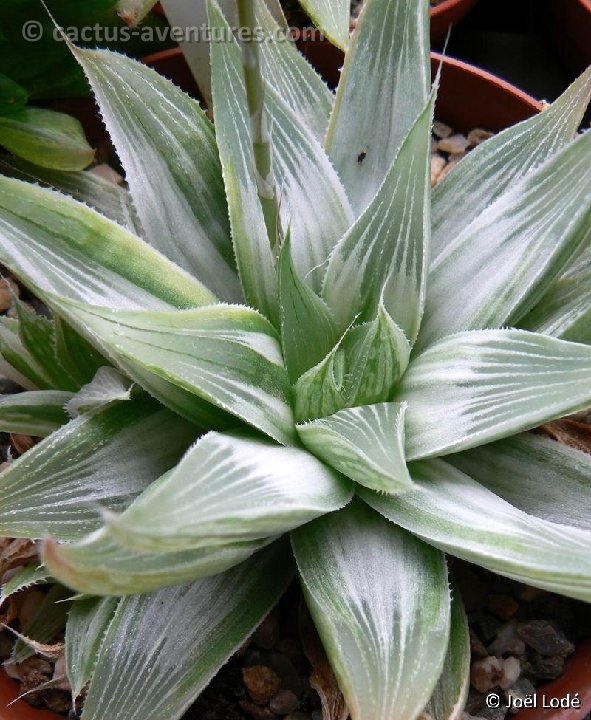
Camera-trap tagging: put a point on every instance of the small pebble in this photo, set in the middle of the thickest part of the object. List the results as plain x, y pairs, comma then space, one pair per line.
7, 288
438, 162
507, 642
544, 668
256, 712
284, 703
485, 674
446, 171
511, 672
261, 682
267, 633
521, 690
453, 144
441, 130
478, 136
545, 638
478, 651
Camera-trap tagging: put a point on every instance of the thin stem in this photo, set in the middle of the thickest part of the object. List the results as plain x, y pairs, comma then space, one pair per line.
261, 140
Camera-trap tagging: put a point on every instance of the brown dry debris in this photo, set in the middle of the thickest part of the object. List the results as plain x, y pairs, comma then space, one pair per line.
569, 432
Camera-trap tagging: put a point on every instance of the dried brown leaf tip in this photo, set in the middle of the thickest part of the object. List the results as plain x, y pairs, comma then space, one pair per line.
569, 432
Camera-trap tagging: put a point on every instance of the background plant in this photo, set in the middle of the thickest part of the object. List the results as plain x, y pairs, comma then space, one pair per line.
257, 375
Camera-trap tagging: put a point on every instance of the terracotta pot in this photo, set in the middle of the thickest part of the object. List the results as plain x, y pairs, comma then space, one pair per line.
576, 679
571, 31
449, 12
20, 710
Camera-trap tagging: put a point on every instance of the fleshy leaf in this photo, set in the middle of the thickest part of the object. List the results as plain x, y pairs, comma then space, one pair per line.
36, 413
167, 147
476, 387
565, 310
490, 169
538, 475
104, 459
383, 88
45, 624
226, 489
57, 245
365, 443
24, 578
17, 362
380, 600
107, 386
87, 624
46, 138
184, 635
449, 697
75, 354
99, 566
362, 369
384, 256
528, 236
226, 355
332, 18
110, 200
454, 513
288, 72
134, 11
308, 331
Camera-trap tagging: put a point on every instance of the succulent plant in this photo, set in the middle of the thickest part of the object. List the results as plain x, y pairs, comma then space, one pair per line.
281, 329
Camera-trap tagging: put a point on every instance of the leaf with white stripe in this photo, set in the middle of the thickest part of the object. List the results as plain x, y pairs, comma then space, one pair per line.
54, 244
75, 354
134, 11
538, 475
527, 237
108, 386
36, 413
229, 488
384, 255
364, 443
332, 17
97, 565
109, 199
227, 355
23, 578
362, 369
183, 635
490, 169
453, 512
383, 88
565, 310
380, 600
101, 460
167, 147
17, 362
88, 621
308, 331
288, 72
449, 697
476, 387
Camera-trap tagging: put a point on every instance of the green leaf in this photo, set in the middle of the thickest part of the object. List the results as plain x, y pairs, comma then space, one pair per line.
87, 624
288, 72
449, 697
384, 256
134, 11
475, 387
167, 147
75, 354
97, 565
36, 413
226, 355
528, 236
109, 199
22, 579
46, 138
364, 443
537, 475
383, 88
308, 331
57, 245
13, 97
380, 600
38, 337
184, 635
332, 18
17, 362
108, 386
457, 515
362, 369
100, 460
45, 624
230, 489
488, 172
565, 310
